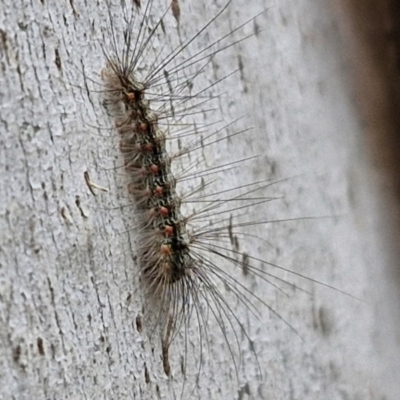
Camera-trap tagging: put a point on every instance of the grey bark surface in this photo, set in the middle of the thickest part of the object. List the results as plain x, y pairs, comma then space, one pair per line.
69, 288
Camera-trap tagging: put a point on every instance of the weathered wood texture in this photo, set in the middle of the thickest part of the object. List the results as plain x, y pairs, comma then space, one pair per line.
69, 292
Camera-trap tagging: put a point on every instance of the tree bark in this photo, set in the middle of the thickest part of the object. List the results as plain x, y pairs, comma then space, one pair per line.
72, 312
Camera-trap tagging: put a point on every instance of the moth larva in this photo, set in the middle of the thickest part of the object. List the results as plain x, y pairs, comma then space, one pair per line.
189, 227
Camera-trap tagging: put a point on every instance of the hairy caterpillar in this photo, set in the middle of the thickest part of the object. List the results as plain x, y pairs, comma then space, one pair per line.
209, 254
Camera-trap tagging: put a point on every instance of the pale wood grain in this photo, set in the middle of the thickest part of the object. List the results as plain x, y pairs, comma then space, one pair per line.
69, 291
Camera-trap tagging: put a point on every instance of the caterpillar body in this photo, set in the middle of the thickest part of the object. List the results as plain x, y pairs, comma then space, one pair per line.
189, 229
